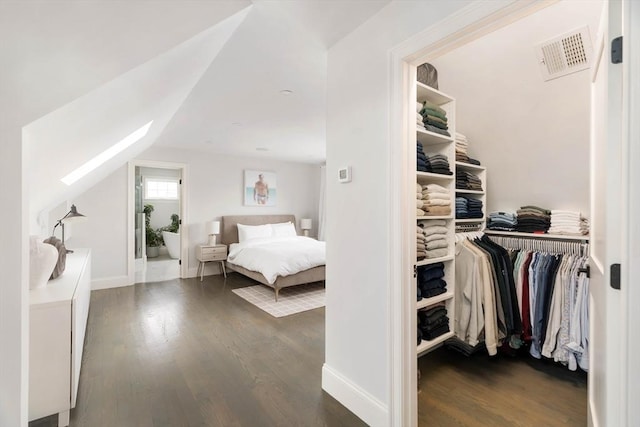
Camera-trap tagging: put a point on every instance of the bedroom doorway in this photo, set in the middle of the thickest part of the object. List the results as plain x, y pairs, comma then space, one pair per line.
156, 229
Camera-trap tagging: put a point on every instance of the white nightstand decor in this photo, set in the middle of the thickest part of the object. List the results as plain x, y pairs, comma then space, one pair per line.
305, 225
214, 229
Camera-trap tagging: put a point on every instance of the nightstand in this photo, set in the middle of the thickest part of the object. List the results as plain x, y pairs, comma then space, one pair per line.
207, 253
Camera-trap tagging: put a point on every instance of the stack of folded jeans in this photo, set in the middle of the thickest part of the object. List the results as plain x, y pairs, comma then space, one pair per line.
468, 181
435, 237
568, 222
423, 164
434, 118
533, 219
438, 163
431, 280
503, 221
468, 208
433, 321
436, 200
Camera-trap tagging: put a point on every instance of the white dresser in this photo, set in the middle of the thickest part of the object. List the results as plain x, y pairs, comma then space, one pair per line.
58, 320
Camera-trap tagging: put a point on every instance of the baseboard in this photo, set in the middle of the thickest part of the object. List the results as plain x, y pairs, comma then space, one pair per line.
110, 282
357, 400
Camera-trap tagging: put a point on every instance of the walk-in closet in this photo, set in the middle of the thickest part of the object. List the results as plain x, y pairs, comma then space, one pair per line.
503, 125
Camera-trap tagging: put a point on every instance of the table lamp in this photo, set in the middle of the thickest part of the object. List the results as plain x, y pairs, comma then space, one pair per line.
214, 229
72, 215
305, 225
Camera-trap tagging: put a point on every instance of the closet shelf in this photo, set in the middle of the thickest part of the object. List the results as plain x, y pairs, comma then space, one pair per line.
584, 238
470, 220
429, 176
433, 95
469, 167
426, 137
426, 302
434, 260
435, 217
427, 345
459, 191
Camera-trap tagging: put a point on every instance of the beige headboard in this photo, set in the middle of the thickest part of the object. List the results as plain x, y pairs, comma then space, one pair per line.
230, 229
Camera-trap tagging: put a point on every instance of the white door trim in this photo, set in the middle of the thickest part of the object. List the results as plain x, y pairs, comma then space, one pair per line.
184, 232
469, 23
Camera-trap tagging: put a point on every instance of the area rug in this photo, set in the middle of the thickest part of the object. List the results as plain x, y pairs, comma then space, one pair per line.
291, 300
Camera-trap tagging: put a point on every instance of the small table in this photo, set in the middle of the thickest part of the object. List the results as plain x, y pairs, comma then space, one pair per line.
207, 253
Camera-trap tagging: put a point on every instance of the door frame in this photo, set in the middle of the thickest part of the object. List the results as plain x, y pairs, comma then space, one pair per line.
184, 231
468, 24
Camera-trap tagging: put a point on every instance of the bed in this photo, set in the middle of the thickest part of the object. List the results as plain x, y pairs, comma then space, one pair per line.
229, 236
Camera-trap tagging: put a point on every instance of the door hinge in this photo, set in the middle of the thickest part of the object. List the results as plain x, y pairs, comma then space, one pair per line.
415, 271
180, 221
615, 276
180, 182
616, 50
179, 262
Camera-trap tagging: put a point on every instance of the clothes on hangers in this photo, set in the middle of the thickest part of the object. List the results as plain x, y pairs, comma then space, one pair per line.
540, 299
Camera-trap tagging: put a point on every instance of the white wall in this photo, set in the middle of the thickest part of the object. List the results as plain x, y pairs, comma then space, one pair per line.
357, 361
214, 188
532, 135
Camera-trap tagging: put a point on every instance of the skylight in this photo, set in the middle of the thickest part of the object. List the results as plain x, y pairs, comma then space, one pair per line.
109, 153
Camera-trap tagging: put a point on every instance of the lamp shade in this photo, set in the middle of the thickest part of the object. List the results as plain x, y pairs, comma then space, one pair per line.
73, 215
305, 223
213, 227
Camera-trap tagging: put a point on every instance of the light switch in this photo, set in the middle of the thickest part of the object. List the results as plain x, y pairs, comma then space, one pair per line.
344, 174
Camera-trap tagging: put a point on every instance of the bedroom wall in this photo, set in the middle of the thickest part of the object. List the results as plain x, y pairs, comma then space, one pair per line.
357, 361
532, 135
214, 189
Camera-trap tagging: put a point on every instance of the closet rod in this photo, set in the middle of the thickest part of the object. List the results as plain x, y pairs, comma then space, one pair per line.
576, 238
550, 246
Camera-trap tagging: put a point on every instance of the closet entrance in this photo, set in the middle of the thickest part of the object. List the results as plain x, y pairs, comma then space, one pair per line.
532, 134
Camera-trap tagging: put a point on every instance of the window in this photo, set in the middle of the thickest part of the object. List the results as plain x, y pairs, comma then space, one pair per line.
161, 188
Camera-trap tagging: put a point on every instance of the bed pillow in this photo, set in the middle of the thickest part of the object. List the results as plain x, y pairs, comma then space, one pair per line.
284, 229
248, 232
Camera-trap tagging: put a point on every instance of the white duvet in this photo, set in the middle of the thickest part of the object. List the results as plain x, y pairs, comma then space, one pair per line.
278, 256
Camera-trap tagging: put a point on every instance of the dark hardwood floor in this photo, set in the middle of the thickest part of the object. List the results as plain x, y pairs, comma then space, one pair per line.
186, 353
182, 353
503, 391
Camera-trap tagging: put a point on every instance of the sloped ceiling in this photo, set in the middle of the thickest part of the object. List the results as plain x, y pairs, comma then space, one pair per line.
65, 139
86, 74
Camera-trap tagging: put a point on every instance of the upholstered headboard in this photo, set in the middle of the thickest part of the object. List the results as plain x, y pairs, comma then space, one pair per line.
230, 224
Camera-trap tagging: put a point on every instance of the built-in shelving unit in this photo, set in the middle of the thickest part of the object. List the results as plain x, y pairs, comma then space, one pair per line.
480, 172
434, 143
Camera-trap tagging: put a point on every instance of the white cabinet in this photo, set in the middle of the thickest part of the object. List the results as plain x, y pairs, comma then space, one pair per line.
437, 144
58, 315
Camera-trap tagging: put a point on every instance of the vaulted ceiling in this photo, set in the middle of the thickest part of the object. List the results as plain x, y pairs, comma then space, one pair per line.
232, 77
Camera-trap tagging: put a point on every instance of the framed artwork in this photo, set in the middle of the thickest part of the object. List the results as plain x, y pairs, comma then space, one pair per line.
260, 188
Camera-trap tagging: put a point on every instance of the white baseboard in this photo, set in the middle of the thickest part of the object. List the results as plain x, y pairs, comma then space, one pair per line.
357, 400
110, 282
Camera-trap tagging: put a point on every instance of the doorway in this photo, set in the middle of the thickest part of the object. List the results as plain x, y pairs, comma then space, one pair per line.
156, 212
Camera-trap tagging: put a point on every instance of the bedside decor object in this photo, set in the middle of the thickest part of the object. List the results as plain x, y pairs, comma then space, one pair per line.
428, 75
61, 256
213, 228
305, 225
72, 215
42, 261
259, 188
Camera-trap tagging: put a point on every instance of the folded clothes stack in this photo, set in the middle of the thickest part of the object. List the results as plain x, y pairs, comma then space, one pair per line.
434, 118
436, 200
435, 238
462, 145
468, 181
419, 117
431, 280
433, 321
438, 163
568, 222
468, 208
533, 219
503, 221
422, 163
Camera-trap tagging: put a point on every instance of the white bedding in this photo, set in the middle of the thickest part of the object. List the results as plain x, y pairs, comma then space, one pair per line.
278, 256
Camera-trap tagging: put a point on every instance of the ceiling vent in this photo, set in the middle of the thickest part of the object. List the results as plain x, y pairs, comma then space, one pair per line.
565, 54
